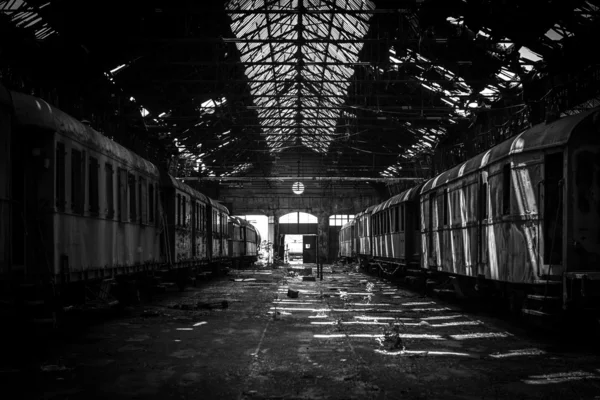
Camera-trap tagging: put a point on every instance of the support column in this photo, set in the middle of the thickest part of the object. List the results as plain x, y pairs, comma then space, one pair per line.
323, 237
274, 216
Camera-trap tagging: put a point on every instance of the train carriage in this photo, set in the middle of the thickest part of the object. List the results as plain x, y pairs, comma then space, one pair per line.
524, 212
185, 236
237, 245
396, 230
244, 242
251, 242
347, 236
218, 220
363, 233
84, 207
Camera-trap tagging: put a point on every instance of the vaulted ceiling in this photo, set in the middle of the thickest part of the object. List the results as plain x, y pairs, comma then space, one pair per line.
348, 88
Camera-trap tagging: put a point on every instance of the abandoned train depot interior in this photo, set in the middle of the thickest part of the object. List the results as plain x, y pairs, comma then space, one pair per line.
300, 199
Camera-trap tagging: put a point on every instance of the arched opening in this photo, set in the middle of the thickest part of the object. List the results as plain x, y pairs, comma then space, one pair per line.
298, 233
298, 217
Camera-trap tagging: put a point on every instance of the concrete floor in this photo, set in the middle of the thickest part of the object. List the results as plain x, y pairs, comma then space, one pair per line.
332, 342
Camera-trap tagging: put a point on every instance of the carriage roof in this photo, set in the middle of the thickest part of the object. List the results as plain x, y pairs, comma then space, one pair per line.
538, 137
34, 112
169, 181
411, 194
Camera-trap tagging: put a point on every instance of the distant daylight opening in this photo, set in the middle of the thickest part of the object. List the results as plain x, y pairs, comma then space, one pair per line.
298, 218
340, 219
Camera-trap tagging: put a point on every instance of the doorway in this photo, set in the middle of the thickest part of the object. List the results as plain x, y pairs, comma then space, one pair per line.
309, 249
293, 245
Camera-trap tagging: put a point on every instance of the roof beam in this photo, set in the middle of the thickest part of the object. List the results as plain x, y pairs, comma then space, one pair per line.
323, 11
296, 178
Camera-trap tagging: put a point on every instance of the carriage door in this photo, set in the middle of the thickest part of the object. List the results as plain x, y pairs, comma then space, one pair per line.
482, 215
553, 210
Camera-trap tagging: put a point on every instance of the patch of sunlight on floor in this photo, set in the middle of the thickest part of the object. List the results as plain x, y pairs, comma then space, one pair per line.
422, 353
480, 335
521, 352
560, 377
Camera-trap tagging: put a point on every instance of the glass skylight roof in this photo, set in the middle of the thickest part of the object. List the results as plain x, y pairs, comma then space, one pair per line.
303, 57
25, 16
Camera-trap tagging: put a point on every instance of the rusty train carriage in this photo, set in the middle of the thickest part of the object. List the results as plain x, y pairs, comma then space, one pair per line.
236, 243
78, 207
84, 206
396, 235
218, 220
363, 235
347, 241
244, 242
186, 236
524, 214
509, 214
251, 238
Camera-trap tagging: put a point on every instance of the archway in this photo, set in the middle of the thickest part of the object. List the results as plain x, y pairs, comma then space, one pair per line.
298, 233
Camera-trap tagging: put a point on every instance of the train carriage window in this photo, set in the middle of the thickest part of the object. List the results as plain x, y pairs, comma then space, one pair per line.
402, 211
151, 201
122, 197
553, 208
446, 206
431, 210
143, 200
415, 212
184, 213
178, 223
132, 198
77, 181
60, 176
199, 227
483, 198
93, 186
506, 189
109, 190
194, 215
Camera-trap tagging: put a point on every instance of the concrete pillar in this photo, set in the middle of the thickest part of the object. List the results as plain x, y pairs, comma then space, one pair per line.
323, 237
274, 216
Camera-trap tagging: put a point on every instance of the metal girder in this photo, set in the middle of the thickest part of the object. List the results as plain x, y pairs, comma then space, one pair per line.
297, 178
292, 126
208, 39
301, 62
303, 118
324, 11
342, 107
315, 81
